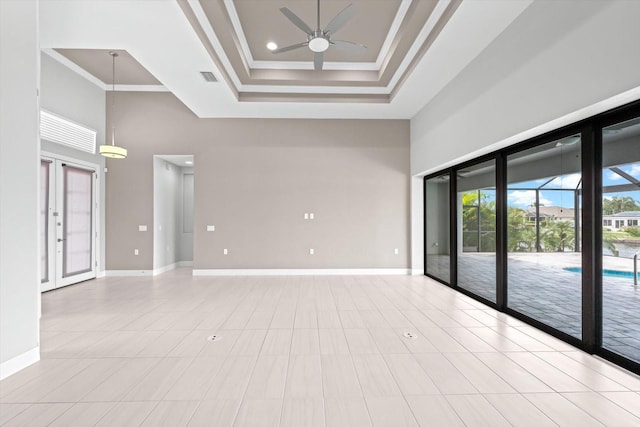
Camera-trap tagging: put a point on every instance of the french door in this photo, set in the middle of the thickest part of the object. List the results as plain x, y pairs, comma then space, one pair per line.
68, 223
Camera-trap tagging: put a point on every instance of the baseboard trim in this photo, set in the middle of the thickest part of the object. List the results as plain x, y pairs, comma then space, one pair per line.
128, 273
19, 362
100, 274
417, 272
164, 269
303, 272
185, 263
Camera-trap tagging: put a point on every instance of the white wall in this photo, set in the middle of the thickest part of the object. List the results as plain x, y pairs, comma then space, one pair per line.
185, 221
65, 93
19, 179
558, 57
167, 195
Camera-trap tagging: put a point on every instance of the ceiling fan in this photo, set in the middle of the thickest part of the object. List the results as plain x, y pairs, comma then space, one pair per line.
319, 41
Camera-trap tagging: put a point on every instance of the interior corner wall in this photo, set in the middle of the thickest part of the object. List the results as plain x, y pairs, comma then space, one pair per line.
185, 219
556, 58
19, 185
254, 181
167, 189
65, 93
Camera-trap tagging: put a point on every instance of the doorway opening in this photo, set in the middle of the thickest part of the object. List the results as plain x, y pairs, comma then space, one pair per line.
173, 186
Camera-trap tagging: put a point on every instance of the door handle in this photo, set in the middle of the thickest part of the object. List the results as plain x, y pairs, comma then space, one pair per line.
61, 240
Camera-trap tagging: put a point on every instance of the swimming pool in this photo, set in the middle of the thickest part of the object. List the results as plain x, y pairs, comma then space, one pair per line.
605, 272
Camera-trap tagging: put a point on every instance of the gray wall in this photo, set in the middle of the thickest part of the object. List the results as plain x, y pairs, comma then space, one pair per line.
19, 183
65, 93
556, 58
255, 179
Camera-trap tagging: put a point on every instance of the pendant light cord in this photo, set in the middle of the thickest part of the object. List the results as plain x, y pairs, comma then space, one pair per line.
113, 97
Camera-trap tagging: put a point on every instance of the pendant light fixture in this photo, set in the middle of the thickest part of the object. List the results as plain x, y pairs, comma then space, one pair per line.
112, 150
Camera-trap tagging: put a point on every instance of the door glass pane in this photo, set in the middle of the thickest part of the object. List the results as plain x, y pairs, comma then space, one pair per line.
78, 220
544, 186
44, 221
477, 229
437, 227
621, 238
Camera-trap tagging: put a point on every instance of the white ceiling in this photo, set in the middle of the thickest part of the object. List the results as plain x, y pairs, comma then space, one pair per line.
162, 39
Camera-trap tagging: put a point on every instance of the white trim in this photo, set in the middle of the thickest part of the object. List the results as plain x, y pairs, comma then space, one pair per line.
184, 263
101, 274
128, 273
365, 90
417, 272
302, 272
432, 21
75, 67
138, 88
308, 65
19, 362
213, 39
164, 269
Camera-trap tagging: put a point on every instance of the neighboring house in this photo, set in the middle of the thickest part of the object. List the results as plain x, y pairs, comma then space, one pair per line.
556, 213
621, 219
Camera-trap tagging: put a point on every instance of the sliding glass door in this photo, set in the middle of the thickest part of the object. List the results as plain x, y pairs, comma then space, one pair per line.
621, 238
476, 232
437, 230
544, 187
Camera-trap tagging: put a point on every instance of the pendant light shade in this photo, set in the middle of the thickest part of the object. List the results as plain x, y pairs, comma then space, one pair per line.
112, 150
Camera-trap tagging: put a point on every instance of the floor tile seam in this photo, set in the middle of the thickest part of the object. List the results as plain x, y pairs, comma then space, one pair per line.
576, 379
256, 362
537, 377
541, 409
28, 405
486, 366
395, 380
616, 403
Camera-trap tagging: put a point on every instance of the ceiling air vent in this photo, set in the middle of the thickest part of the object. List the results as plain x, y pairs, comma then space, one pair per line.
62, 131
208, 76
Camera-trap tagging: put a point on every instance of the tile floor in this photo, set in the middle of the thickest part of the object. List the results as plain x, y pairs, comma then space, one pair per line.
302, 351
540, 288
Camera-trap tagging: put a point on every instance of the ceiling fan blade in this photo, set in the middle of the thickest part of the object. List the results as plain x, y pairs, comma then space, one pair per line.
288, 48
296, 20
340, 19
349, 46
318, 60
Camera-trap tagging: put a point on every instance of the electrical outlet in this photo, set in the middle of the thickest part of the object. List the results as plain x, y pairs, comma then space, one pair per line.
395, 251
225, 251
142, 228
136, 252
306, 216
311, 251
211, 228
311, 216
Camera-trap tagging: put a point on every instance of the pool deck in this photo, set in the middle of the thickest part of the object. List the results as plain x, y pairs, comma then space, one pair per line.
540, 288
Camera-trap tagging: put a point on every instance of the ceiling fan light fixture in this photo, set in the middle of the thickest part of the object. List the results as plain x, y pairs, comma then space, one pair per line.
318, 44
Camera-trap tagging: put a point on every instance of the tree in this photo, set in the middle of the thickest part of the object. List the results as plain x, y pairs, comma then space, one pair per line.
615, 204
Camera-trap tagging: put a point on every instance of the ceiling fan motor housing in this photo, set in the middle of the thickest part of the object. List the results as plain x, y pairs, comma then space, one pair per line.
318, 41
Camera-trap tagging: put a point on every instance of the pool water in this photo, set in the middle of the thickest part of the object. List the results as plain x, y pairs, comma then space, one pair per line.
605, 272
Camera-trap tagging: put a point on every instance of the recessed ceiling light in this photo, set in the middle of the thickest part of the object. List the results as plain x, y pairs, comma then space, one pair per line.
189, 162
272, 46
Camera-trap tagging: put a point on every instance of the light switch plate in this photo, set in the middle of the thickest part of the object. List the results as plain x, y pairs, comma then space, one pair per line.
311, 251
142, 228
306, 216
310, 216
211, 228
225, 251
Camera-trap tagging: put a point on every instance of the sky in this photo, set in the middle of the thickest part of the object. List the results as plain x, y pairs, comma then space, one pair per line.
523, 196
